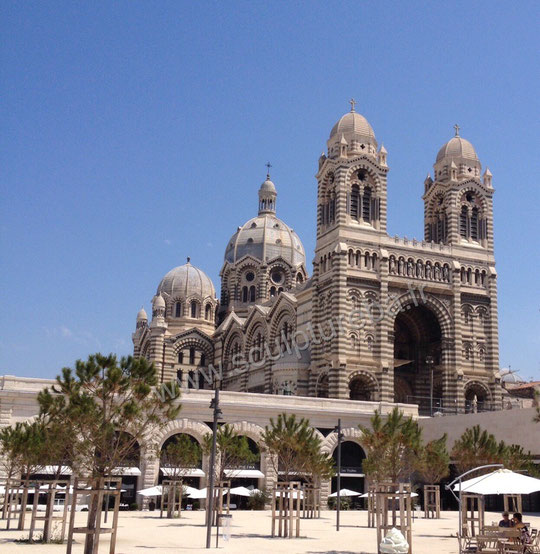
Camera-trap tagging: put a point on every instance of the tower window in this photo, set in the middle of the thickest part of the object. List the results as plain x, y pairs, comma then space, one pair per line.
464, 216
244, 294
474, 224
180, 357
208, 312
191, 356
366, 205
178, 309
252, 293
355, 200
193, 308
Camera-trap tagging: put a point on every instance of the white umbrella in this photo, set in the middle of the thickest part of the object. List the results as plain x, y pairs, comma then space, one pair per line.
285, 494
199, 494
501, 481
345, 492
151, 491
241, 491
413, 494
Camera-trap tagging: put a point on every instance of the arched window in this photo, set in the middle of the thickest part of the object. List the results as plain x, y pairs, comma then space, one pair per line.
366, 205
179, 375
374, 261
244, 294
332, 209
203, 359
193, 308
178, 309
191, 356
180, 357
252, 293
474, 224
355, 201
208, 312
367, 260
299, 279
272, 292
464, 216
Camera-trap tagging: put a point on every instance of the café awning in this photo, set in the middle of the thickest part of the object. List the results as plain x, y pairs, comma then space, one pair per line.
127, 471
182, 472
501, 481
243, 473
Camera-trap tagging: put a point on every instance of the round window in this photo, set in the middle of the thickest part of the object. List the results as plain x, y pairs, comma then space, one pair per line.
250, 276
277, 276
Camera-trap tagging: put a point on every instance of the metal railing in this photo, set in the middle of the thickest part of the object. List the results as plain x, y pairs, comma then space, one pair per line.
448, 407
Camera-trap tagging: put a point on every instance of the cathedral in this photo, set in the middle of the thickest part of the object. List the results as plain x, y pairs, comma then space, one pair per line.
381, 318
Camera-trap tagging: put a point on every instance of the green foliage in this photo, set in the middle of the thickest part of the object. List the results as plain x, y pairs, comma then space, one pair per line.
434, 461
345, 503
258, 500
477, 447
106, 405
394, 447
296, 449
22, 447
181, 454
232, 450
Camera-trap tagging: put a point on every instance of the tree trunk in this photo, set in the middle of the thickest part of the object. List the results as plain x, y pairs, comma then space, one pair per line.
91, 544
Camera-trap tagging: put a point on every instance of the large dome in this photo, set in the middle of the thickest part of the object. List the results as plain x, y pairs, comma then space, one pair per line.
266, 237
187, 281
352, 123
457, 147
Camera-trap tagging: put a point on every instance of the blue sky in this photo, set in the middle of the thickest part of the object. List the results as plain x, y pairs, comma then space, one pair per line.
135, 134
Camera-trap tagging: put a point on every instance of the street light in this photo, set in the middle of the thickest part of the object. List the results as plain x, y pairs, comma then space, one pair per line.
429, 362
337, 429
214, 404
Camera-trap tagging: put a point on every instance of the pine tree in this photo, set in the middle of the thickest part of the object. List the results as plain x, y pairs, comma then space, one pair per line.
296, 449
393, 447
109, 405
434, 462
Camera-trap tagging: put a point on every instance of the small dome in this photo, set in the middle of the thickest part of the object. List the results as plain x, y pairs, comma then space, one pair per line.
268, 186
266, 237
186, 281
352, 123
142, 316
457, 147
158, 302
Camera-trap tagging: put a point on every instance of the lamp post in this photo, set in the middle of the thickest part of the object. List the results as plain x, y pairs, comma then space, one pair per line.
214, 404
429, 362
337, 429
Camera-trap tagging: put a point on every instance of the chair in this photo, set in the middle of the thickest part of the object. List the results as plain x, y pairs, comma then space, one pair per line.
467, 543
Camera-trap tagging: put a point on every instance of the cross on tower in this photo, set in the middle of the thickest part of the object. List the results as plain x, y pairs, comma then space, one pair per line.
352, 102
456, 127
268, 166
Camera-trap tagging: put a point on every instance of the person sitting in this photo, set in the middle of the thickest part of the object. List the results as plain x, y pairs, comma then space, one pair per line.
506, 521
524, 535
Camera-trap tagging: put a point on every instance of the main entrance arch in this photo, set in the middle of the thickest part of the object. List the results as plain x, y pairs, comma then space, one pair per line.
417, 350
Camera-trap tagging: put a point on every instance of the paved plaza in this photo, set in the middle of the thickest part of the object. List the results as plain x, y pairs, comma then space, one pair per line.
141, 532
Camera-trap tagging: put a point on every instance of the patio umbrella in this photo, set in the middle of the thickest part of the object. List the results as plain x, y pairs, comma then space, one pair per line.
240, 491
151, 491
345, 492
413, 494
199, 494
501, 481
294, 494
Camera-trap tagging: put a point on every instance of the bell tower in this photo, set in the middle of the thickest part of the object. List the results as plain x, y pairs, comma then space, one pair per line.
351, 217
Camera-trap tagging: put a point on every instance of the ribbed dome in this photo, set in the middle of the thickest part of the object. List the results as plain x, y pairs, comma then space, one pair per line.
266, 237
352, 123
268, 186
142, 316
457, 147
186, 281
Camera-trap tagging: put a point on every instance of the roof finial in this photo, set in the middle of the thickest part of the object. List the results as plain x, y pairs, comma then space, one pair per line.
352, 102
188, 259
268, 166
456, 127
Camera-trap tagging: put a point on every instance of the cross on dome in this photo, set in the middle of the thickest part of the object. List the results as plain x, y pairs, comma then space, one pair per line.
457, 127
268, 166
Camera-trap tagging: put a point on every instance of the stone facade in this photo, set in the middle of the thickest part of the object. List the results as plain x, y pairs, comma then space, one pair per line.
381, 318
